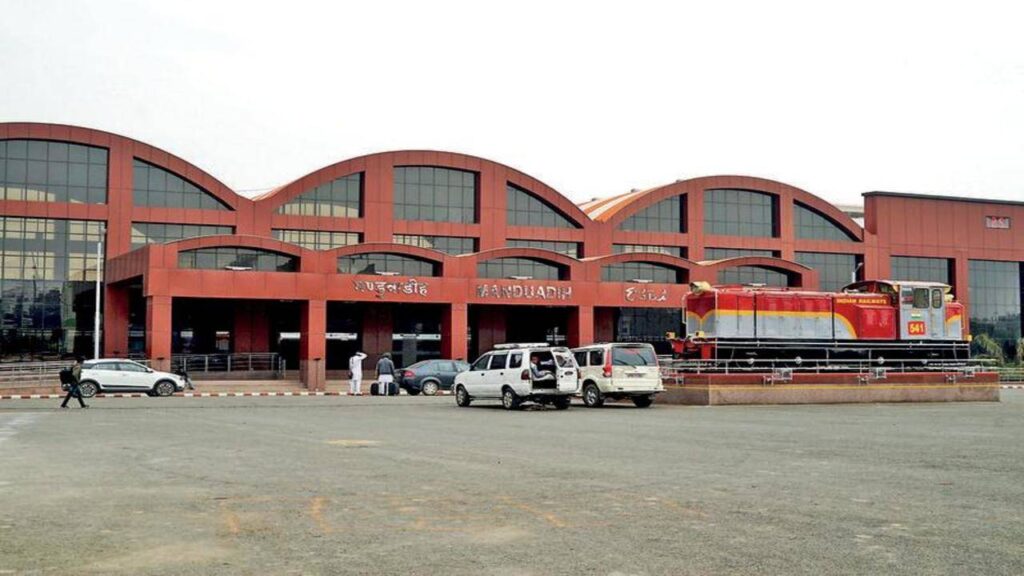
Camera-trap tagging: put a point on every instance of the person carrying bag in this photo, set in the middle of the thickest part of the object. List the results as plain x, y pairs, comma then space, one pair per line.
72, 377
386, 375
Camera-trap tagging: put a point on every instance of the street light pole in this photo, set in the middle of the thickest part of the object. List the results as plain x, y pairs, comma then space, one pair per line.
96, 314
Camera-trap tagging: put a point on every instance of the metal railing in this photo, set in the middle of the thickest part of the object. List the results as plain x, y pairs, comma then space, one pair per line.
31, 372
1011, 374
242, 362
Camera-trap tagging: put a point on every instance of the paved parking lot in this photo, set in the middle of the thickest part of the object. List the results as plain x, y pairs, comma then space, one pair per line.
417, 486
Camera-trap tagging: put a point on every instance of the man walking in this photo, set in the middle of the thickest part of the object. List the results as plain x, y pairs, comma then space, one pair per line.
355, 374
73, 382
385, 374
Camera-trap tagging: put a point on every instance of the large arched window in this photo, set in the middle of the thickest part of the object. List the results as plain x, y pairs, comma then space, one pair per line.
525, 209
521, 269
641, 272
669, 215
746, 274
386, 264
339, 198
739, 213
834, 270
437, 194
811, 225
238, 259
154, 186
42, 171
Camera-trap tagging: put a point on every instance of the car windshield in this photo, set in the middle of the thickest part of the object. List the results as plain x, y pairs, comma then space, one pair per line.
633, 356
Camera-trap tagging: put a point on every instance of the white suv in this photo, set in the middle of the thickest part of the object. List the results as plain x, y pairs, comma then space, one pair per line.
118, 375
504, 374
617, 371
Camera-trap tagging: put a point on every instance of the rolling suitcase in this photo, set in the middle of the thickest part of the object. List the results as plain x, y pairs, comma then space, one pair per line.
376, 389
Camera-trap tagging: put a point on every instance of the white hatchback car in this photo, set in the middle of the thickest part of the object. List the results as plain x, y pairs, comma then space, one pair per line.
119, 375
617, 371
504, 374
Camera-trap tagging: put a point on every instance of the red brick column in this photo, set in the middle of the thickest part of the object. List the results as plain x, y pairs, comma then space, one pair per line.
455, 332
158, 332
581, 326
313, 344
115, 321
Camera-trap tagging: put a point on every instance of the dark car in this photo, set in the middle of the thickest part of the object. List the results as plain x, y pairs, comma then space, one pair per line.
429, 376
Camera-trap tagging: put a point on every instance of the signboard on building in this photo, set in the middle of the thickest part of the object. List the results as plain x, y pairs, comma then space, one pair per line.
527, 291
997, 222
380, 288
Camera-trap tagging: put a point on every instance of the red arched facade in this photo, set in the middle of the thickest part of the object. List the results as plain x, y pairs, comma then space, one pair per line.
583, 296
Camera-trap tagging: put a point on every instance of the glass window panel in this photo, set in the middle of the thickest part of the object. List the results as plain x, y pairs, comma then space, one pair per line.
643, 271
47, 275
995, 296
317, 240
669, 215
217, 258
448, 244
158, 233
524, 268
739, 213
921, 269
811, 225
386, 264
567, 248
525, 209
834, 270
164, 189
643, 248
436, 194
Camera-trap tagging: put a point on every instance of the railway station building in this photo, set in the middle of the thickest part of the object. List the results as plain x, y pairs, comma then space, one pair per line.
432, 254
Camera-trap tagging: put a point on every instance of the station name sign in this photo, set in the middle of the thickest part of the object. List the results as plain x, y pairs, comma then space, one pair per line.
997, 222
528, 291
381, 288
635, 294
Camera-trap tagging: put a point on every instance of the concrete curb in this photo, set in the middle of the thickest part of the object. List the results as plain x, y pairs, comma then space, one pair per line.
196, 395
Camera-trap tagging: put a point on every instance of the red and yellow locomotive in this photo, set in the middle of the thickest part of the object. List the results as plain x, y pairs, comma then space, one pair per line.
878, 320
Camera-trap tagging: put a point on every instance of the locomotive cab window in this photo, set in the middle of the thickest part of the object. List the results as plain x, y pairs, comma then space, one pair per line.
920, 298
936, 298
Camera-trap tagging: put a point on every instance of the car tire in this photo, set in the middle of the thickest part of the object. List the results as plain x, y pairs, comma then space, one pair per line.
509, 399
562, 402
462, 398
592, 397
429, 388
164, 388
643, 401
412, 391
88, 388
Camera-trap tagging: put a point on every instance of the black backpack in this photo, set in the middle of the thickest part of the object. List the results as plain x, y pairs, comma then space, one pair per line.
66, 377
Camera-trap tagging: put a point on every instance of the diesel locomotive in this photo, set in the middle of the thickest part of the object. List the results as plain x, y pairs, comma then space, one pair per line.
883, 322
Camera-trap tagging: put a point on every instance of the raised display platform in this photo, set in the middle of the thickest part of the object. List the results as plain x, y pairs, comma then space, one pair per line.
831, 388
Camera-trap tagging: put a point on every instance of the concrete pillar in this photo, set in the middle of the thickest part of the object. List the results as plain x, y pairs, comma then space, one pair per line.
115, 320
581, 326
455, 332
158, 331
313, 344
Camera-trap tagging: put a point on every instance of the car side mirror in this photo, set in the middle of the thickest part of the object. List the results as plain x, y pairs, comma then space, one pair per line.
150, 370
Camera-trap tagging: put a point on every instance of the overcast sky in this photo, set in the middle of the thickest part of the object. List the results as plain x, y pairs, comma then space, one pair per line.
593, 98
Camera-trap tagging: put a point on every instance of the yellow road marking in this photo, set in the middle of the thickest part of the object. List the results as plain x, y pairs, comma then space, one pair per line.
351, 443
316, 508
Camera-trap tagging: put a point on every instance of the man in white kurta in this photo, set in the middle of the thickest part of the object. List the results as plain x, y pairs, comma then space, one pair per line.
355, 367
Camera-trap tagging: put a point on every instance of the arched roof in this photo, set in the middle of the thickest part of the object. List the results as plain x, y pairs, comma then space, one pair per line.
151, 154
617, 208
231, 240
454, 160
